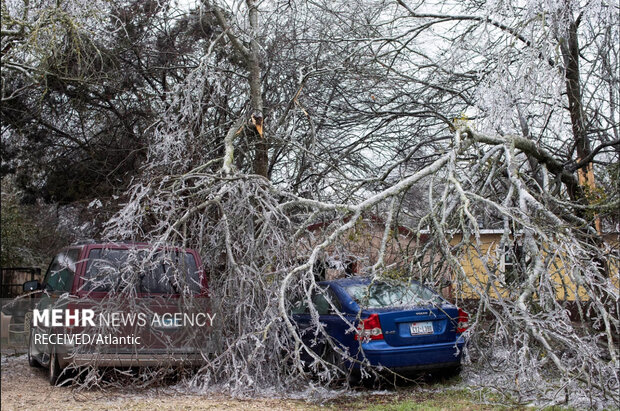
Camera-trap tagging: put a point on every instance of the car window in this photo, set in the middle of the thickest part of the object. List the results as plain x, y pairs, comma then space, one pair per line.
166, 273
194, 277
320, 303
382, 294
174, 273
59, 276
103, 269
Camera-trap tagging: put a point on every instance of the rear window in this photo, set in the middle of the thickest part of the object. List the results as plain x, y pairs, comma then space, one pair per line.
382, 294
162, 273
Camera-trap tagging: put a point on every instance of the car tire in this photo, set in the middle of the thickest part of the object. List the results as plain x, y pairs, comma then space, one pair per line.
332, 357
370, 383
351, 376
55, 372
32, 361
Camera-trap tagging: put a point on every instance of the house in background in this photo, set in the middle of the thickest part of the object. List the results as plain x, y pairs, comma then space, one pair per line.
495, 263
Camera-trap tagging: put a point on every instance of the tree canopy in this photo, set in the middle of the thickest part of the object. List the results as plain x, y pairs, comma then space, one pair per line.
232, 126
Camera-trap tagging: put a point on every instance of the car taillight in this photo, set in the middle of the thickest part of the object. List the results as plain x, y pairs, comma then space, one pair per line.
463, 321
370, 328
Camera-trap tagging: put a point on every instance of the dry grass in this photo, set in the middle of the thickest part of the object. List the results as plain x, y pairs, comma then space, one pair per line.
26, 388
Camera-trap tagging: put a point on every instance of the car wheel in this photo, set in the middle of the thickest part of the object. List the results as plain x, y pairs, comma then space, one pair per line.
32, 361
332, 357
54, 371
369, 382
349, 375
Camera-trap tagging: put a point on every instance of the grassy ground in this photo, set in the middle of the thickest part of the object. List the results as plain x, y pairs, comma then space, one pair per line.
24, 387
435, 397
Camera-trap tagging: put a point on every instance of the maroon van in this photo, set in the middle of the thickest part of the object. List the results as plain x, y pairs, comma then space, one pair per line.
120, 305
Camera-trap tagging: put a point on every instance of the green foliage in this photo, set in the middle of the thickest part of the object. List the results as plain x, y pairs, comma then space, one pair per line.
18, 232
444, 399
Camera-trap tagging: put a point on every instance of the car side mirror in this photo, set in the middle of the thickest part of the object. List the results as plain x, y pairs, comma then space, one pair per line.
30, 286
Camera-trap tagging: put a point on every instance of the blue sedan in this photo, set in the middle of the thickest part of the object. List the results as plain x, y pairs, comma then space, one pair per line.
400, 326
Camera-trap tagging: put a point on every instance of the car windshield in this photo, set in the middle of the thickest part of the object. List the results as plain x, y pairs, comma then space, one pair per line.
383, 294
169, 273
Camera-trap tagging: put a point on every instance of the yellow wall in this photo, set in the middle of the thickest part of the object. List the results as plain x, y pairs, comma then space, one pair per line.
482, 265
479, 264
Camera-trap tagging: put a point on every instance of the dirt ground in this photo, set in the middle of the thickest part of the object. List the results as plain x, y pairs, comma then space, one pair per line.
26, 388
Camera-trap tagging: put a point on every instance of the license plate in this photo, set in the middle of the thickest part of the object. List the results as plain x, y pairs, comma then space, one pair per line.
421, 328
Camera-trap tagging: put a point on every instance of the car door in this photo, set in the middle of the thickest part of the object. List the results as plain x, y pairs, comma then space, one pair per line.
57, 285
335, 327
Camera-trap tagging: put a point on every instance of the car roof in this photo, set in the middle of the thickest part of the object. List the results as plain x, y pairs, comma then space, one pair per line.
357, 280
126, 245
343, 282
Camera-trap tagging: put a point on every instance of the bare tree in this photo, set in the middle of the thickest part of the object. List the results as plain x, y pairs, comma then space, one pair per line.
329, 112
518, 171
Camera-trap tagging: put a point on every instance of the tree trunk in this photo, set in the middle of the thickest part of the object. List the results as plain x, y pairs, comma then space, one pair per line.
251, 57
570, 54
261, 159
